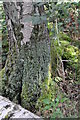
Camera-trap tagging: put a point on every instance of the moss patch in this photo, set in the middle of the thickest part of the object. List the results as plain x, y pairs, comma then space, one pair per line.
1, 77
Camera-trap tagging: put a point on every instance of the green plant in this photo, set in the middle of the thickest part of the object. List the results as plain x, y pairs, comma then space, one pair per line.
54, 106
48, 92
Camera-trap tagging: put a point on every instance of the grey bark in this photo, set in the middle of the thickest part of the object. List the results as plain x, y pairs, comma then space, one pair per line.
29, 54
10, 110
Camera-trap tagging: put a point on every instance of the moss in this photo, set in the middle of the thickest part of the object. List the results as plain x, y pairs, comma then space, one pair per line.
36, 63
2, 72
49, 89
66, 51
24, 96
63, 36
13, 76
29, 95
1, 77
53, 59
26, 70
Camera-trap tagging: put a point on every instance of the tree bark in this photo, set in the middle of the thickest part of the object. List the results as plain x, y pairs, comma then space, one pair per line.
29, 54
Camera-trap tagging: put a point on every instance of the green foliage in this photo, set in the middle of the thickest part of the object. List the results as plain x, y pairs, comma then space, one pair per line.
48, 92
67, 16
63, 47
50, 100
54, 106
66, 51
64, 37
71, 53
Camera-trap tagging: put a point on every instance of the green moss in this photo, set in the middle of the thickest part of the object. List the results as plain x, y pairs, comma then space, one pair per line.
24, 96
29, 95
49, 90
2, 72
65, 50
25, 70
11, 84
64, 37
1, 77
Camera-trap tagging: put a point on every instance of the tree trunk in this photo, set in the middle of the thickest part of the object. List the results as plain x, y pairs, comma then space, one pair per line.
29, 54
